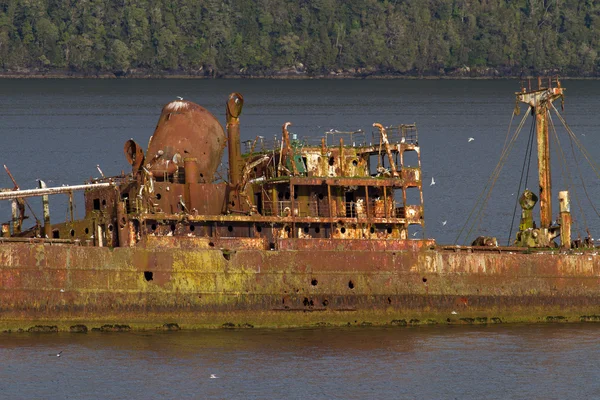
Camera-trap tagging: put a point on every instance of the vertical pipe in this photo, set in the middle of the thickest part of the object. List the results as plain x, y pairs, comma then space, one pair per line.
385, 205
565, 219
367, 203
15, 217
71, 206
274, 202
330, 210
122, 224
293, 204
190, 166
367, 209
46, 206
234, 109
341, 156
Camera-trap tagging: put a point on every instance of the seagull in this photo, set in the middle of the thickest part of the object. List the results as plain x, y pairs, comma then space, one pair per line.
180, 98
62, 290
453, 313
444, 222
432, 181
58, 354
471, 139
213, 376
415, 234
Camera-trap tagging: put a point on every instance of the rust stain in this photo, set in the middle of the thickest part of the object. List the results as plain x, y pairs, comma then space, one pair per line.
296, 232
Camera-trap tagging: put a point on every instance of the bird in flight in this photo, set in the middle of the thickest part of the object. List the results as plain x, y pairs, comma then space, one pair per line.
432, 181
444, 222
179, 97
213, 376
471, 139
59, 353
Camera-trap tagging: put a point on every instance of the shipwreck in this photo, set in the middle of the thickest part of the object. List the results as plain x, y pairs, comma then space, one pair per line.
296, 232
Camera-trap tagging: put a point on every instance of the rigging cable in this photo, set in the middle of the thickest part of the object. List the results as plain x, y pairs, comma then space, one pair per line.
491, 181
575, 194
585, 154
568, 181
527, 159
581, 148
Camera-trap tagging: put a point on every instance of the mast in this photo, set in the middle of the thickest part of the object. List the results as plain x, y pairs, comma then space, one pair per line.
540, 101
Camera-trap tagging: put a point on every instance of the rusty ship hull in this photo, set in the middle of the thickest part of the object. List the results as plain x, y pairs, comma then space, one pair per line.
193, 285
299, 234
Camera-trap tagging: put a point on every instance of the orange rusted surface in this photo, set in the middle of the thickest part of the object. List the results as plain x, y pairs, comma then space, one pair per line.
297, 233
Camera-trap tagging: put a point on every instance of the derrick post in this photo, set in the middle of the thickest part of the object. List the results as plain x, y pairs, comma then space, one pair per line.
565, 219
540, 101
544, 172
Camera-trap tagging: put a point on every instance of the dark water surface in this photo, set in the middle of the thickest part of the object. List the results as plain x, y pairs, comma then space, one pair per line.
493, 362
59, 130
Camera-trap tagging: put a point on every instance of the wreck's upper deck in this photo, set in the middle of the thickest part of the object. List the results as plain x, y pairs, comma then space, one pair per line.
363, 141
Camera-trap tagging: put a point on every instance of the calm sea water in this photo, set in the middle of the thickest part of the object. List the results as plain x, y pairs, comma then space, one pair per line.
516, 362
59, 130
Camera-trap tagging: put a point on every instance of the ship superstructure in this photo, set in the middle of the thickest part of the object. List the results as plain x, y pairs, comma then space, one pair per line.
345, 185
296, 232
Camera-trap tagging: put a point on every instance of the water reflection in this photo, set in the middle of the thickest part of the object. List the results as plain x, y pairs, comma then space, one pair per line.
549, 361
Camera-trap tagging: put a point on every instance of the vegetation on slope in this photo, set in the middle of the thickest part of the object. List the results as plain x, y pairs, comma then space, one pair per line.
313, 37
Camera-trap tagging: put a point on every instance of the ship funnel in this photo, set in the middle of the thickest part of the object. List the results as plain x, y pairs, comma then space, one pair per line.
185, 130
234, 109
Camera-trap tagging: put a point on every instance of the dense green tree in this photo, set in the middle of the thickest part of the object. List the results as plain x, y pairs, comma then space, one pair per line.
262, 37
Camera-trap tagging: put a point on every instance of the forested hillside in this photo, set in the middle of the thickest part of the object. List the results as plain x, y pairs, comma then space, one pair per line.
312, 37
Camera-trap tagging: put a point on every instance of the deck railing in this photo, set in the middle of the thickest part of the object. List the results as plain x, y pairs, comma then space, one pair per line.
316, 209
405, 133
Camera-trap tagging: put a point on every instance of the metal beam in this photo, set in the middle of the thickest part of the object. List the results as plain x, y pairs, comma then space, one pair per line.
19, 194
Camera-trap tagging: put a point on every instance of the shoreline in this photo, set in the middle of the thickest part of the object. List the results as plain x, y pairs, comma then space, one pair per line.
280, 76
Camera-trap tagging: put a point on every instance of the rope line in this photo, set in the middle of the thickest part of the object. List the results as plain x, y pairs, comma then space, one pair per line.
479, 204
526, 160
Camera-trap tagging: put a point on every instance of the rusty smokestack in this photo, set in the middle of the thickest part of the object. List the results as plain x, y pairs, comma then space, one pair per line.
234, 109
191, 177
